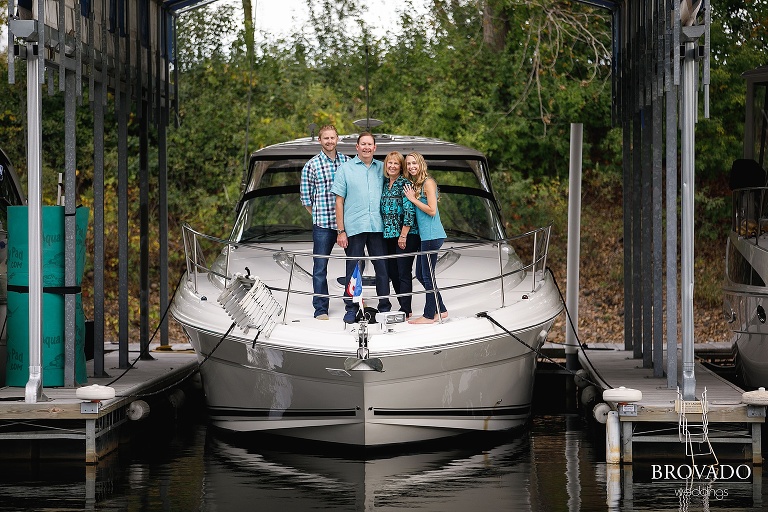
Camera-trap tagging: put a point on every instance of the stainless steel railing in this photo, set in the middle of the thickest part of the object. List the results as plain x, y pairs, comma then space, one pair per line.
535, 250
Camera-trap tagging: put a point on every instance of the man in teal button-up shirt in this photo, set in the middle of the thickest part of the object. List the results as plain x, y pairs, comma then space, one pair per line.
358, 186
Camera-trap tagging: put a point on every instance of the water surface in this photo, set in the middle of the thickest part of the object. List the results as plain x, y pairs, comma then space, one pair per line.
555, 464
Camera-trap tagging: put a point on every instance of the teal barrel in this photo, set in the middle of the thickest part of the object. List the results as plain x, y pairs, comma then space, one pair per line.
17, 366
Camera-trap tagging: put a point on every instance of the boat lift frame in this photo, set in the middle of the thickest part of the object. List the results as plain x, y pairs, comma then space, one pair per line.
128, 48
661, 54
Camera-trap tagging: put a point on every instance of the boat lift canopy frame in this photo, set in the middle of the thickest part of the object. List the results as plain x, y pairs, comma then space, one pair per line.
128, 47
660, 58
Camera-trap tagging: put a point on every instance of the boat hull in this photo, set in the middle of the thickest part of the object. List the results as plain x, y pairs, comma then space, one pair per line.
745, 307
484, 384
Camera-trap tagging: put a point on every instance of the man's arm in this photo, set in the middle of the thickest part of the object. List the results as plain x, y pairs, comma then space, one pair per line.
306, 188
341, 238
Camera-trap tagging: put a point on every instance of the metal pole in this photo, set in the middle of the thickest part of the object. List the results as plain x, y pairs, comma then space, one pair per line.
546, 234
99, 89
574, 247
687, 157
33, 391
534, 258
637, 264
288, 290
144, 227
501, 275
10, 59
627, 231
671, 207
122, 221
70, 167
162, 182
657, 234
194, 259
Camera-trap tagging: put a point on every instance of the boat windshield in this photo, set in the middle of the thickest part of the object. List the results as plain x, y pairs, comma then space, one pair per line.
272, 211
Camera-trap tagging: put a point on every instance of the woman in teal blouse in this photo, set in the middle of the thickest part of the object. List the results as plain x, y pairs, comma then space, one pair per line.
400, 232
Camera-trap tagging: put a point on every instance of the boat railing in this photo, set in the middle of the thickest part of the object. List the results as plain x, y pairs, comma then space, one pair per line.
531, 247
749, 214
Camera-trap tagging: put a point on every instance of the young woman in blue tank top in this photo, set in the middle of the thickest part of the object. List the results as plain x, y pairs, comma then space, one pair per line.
422, 192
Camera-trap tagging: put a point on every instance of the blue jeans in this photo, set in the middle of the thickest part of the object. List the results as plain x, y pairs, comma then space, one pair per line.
424, 275
375, 244
322, 243
400, 269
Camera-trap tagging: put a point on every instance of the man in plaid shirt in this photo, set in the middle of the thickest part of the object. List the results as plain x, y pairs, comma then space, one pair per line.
316, 180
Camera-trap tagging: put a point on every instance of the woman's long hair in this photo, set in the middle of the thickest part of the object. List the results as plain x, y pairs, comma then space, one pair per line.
421, 177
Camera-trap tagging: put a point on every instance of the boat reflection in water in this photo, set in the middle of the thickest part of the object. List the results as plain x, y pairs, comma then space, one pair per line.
557, 465
434, 478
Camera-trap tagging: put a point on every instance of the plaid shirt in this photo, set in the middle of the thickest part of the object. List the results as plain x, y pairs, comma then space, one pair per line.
315, 190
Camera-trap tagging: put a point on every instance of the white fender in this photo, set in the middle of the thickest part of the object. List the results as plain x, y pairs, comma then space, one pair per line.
139, 409
600, 412
622, 394
756, 397
95, 393
581, 378
589, 396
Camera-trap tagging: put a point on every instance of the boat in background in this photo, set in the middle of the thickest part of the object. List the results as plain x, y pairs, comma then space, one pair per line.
746, 262
268, 366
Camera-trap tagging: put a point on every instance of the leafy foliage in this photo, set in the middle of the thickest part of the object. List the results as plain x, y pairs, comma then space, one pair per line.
433, 75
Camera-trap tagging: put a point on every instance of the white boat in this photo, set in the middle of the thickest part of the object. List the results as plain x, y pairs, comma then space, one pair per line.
268, 365
746, 264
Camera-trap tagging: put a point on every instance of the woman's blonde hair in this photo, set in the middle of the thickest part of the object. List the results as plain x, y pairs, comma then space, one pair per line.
394, 155
421, 177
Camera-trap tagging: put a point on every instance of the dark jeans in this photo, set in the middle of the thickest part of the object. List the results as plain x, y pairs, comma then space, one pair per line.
376, 247
400, 270
424, 275
322, 243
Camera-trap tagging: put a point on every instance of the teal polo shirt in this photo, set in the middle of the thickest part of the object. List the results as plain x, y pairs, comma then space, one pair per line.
360, 186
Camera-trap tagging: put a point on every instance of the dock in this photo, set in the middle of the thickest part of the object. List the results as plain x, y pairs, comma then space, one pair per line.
62, 426
718, 421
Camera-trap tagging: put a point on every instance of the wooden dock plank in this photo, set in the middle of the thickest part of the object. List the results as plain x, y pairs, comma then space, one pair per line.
615, 367
145, 375
59, 416
618, 368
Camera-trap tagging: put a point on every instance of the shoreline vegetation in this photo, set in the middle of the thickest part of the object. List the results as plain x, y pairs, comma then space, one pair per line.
507, 80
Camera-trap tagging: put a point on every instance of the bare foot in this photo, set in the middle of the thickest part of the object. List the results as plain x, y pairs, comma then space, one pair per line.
421, 320
444, 315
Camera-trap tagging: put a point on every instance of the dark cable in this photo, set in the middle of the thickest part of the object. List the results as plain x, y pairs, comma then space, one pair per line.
484, 314
145, 350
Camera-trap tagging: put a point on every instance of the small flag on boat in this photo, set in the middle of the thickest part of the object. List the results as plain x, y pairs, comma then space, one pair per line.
355, 285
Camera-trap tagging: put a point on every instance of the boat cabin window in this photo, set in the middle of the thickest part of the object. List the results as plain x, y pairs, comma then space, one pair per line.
271, 210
